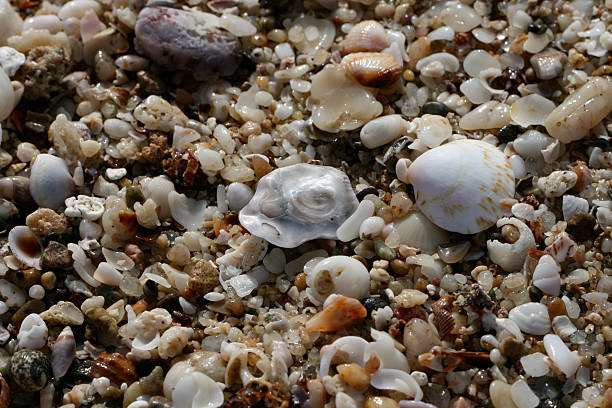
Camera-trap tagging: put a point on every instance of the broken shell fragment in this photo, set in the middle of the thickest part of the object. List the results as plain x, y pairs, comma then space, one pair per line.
50, 181
511, 256
581, 111
459, 186
298, 203
372, 69
26, 246
339, 313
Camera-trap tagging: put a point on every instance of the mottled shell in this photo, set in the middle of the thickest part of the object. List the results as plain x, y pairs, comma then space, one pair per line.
367, 36
459, 185
372, 69
30, 369
298, 203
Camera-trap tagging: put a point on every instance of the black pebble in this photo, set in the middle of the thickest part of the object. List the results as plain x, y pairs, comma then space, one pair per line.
372, 303
368, 190
537, 28
435, 108
546, 387
508, 133
535, 294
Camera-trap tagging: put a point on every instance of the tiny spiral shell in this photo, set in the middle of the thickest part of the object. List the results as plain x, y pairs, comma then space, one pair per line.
63, 353
368, 35
372, 69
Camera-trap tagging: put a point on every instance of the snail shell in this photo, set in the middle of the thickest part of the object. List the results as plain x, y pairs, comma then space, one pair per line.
26, 246
63, 353
50, 181
368, 35
298, 203
459, 186
373, 69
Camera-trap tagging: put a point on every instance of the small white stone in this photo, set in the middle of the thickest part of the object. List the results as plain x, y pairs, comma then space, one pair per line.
535, 364
32, 333
531, 110
116, 174
383, 130
11, 60
566, 360
237, 25
371, 227
238, 195
36, 292
523, 396
349, 229
563, 326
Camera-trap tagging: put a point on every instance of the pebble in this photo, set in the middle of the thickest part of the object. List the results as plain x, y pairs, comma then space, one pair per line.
523, 396
349, 230
380, 402
500, 394
566, 360
354, 376
64, 313
382, 130
238, 195
30, 369
339, 313
435, 108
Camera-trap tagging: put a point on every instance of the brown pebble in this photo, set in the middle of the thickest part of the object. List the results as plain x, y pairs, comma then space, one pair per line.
510, 233
341, 313
556, 308
29, 307
354, 376
26, 278
581, 225
372, 365
399, 267
300, 281
140, 306
235, 307
45, 221
261, 167
380, 402
101, 327
511, 347
115, 367
48, 280
204, 279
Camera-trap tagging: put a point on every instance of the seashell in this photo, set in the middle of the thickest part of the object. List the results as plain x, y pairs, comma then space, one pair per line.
531, 143
546, 276
459, 186
382, 130
442, 315
298, 203
531, 110
30, 369
158, 189
50, 181
563, 326
10, 21
32, 333
443, 33
396, 380
557, 182
106, 274
25, 245
572, 205
567, 361
581, 111
196, 390
64, 351
90, 208
522, 395
188, 212
478, 61
448, 61
9, 94
548, 64
11, 59
460, 17
432, 130
535, 364
63, 313
476, 91
417, 231
365, 36
339, 313
317, 34
349, 229
511, 256
118, 260
388, 352
531, 318
489, 115
372, 69
341, 275
173, 341
453, 253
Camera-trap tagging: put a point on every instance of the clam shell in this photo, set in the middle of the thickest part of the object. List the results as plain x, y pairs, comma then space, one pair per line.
298, 203
25, 245
372, 69
50, 181
366, 36
459, 186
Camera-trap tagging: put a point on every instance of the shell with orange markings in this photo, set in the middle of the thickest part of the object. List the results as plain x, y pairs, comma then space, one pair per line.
368, 35
339, 313
460, 185
373, 69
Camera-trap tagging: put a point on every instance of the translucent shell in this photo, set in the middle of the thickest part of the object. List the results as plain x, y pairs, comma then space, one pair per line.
368, 35
372, 69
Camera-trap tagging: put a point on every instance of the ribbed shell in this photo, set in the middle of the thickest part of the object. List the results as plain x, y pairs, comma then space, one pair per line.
368, 35
372, 69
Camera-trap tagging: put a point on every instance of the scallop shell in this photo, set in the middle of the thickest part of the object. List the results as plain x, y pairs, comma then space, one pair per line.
372, 69
63, 353
459, 186
50, 181
366, 36
298, 203
25, 245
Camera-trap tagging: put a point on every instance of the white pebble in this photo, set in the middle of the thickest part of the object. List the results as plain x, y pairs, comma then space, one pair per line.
531, 110
349, 229
237, 25
383, 130
371, 227
566, 360
116, 174
531, 318
535, 364
523, 396
36, 292
238, 195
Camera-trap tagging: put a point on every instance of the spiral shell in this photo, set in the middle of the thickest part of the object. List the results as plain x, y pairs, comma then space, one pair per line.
372, 69
63, 353
366, 36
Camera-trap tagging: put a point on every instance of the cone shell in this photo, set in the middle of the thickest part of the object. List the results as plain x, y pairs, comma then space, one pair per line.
368, 35
372, 69
63, 353
459, 186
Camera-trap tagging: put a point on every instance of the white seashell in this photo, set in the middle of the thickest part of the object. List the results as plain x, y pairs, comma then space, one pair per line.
459, 186
382, 130
236, 25
479, 60
77, 8
11, 60
349, 229
572, 205
396, 380
158, 189
106, 274
563, 326
489, 115
460, 17
557, 182
339, 103
32, 333
298, 203
88, 207
64, 351
371, 227
12, 293
339, 274
432, 130
50, 181
567, 361
475, 90
10, 22
418, 231
524, 211
531, 318
197, 390
173, 341
535, 364
317, 34
546, 276
83, 265
188, 212
365, 36
531, 143
443, 33
448, 61
523, 396
25, 245
531, 110
384, 347
581, 111
511, 256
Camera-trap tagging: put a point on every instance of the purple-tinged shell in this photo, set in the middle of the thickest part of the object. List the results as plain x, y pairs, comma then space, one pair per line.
63, 353
186, 40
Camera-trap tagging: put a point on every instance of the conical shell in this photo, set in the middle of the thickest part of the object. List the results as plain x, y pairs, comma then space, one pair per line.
373, 69
63, 353
459, 186
368, 35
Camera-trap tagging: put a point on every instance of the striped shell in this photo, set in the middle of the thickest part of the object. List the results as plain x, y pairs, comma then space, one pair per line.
372, 69
459, 186
368, 35
63, 353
